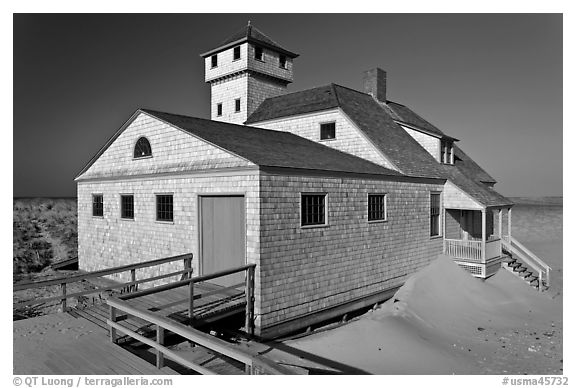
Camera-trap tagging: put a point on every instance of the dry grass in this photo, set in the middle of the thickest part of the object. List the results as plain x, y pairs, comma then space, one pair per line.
44, 230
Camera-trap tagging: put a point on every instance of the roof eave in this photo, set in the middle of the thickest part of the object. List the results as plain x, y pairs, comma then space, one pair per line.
414, 127
251, 40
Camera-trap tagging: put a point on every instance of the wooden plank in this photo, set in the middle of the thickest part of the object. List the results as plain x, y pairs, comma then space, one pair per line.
167, 352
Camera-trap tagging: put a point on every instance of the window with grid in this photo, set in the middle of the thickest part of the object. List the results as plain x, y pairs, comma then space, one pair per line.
237, 105
142, 148
258, 53
214, 60
377, 207
127, 206
434, 214
236, 53
97, 205
327, 131
313, 209
164, 207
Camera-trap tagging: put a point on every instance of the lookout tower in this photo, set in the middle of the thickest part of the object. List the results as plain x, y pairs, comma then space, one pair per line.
243, 71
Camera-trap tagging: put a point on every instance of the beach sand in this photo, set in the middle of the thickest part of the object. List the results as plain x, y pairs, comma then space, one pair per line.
443, 321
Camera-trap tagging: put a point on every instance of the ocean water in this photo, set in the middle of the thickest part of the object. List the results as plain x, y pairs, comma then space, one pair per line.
539, 228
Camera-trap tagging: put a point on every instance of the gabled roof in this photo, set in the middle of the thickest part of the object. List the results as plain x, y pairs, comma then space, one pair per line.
480, 192
378, 123
305, 101
251, 34
470, 167
263, 147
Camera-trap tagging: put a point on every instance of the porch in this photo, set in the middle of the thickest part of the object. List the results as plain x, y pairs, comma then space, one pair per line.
473, 238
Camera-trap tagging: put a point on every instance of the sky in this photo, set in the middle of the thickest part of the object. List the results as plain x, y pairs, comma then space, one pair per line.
494, 81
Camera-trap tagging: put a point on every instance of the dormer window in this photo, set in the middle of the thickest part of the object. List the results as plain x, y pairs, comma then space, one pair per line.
214, 60
282, 61
447, 152
259, 53
142, 148
236, 53
328, 131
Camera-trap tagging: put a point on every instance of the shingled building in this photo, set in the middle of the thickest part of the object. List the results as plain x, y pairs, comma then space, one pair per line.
336, 195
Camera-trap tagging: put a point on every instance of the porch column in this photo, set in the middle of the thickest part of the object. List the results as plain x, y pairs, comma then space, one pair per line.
500, 223
509, 224
444, 232
483, 235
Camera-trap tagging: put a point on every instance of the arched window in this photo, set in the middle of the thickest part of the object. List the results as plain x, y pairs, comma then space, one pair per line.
142, 148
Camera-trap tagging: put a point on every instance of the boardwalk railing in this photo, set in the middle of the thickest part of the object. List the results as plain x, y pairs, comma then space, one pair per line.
131, 286
247, 285
530, 259
121, 308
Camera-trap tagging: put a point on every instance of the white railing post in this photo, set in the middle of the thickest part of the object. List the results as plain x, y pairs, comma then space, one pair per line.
483, 246
509, 224
500, 222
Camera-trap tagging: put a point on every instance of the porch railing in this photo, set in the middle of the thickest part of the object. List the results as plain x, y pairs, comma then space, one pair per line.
471, 250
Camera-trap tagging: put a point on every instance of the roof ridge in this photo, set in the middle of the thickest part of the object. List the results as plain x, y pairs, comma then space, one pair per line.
351, 89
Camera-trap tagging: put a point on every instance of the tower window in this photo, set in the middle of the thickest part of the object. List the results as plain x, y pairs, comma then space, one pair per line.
327, 131
282, 61
237, 105
219, 109
214, 60
142, 148
258, 53
236, 53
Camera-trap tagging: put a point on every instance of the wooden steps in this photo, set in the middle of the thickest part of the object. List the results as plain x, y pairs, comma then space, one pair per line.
515, 266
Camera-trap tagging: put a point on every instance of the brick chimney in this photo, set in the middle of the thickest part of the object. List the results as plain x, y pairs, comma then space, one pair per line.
375, 83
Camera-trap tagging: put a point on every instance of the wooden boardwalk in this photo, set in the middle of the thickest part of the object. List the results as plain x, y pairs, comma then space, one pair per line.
60, 344
210, 304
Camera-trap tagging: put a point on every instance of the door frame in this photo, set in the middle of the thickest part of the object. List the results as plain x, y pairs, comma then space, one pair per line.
199, 197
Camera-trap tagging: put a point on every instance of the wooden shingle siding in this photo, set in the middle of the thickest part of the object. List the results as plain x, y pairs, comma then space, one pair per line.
172, 151
456, 198
430, 143
111, 241
303, 270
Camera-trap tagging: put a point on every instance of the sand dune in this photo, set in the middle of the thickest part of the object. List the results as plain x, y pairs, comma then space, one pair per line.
444, 321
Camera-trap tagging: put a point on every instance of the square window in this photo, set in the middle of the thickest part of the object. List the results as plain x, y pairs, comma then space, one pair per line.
236, 53
434, 214
237, 105
313, 208
282, 61
164, 207
258, 53
327, 131
97, 205
377, 207
127, 206
219, 109
214, 60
